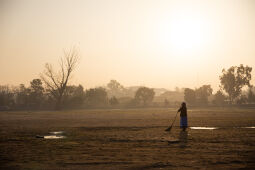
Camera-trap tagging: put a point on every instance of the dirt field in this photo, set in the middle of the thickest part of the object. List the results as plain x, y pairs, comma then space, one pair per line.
127, 139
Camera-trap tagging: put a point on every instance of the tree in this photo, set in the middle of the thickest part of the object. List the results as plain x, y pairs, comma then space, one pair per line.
166, 102
190, 96
242, 99
56, 82
114, 85
22, 99
36, 93
202, 94
113, 101
73, 96
115, 89
96, 97
219, 98
251, 95
145, 95
6, 97
234, 79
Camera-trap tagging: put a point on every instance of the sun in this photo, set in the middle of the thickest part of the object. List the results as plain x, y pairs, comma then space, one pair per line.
185, 35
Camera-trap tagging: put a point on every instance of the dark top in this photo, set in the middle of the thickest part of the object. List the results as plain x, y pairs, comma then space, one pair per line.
183, 111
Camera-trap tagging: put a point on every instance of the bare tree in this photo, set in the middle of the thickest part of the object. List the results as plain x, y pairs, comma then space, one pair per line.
56, 82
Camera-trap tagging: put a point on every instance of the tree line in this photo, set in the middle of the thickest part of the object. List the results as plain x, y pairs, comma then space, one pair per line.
52, 91
232, 84
37, 97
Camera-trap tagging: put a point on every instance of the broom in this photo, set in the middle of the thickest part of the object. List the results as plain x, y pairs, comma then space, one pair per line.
170, 127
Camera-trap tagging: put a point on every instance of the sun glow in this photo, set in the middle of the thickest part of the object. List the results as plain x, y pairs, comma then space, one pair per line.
184, 35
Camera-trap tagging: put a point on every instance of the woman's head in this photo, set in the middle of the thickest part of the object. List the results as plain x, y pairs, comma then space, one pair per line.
183, 104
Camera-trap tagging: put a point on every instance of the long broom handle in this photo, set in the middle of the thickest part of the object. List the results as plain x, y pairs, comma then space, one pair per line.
175, 118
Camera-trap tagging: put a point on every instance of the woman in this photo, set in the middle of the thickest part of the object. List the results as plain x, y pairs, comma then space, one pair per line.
183, 116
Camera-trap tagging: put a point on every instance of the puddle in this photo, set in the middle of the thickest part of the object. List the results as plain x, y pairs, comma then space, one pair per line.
212, 128
204, 128
57, 132
252, 127
53, 135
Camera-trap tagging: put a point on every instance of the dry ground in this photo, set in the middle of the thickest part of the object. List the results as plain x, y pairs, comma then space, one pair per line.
127, 139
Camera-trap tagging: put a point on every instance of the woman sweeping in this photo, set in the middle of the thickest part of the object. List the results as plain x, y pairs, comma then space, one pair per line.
183, 116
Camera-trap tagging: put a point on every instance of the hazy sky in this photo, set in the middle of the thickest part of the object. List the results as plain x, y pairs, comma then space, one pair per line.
155, 43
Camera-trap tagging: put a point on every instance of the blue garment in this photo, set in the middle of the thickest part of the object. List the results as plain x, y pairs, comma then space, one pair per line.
183, 121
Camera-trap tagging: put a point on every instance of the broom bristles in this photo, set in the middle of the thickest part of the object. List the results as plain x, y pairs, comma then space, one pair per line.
168, 129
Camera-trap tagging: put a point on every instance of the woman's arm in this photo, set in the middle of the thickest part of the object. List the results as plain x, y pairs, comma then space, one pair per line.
179, 109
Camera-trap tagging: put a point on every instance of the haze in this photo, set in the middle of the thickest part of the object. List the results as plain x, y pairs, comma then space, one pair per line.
154, 43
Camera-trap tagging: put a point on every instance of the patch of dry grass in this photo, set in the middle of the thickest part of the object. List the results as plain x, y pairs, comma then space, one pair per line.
126, 139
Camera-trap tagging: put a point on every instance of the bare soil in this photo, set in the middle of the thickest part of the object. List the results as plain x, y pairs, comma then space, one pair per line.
127, 139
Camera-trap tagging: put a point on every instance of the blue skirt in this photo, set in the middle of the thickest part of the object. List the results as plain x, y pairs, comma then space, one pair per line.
183, 122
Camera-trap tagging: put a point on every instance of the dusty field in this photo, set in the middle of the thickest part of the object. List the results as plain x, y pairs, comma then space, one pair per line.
127, 139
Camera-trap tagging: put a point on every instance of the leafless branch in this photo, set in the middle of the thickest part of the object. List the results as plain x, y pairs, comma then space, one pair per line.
56, 82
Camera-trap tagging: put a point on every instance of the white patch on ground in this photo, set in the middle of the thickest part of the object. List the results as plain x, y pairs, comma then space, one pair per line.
54, 137
57, 132
204, 128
